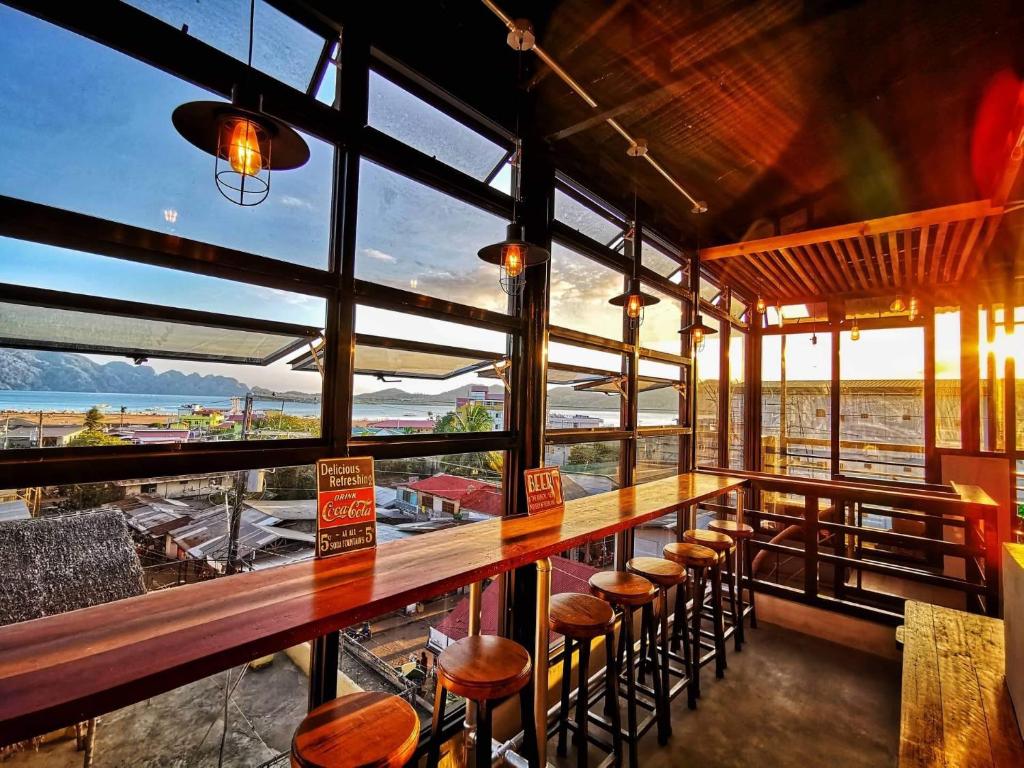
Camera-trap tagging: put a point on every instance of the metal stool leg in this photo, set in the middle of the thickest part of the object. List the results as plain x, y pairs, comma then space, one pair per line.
483, 734
434, 752
748, 567
627, 623
718, 619
611, 695
661, 712
583, 705
666, 686
734, 606
699, 587
563, 714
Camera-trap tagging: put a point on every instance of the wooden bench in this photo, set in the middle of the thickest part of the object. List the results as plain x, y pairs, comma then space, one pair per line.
955, 709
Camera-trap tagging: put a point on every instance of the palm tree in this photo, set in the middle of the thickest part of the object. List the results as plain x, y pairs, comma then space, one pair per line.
471, 417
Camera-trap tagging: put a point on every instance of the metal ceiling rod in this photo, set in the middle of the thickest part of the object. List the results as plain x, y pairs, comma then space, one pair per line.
521, 38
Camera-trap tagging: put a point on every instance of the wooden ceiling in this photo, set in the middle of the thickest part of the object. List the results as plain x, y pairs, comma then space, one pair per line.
784, 115
925, 249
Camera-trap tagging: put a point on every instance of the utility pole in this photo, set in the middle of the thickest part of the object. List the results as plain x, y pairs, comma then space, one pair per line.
238, 498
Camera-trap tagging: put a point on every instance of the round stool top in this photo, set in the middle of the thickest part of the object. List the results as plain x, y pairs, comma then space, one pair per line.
580, 616
622, 588
710, 539
484, 667
662, 572
368, 729
690, 555
731, 528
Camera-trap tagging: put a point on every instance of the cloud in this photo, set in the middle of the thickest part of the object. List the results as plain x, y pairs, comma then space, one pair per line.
295, 202
373, 253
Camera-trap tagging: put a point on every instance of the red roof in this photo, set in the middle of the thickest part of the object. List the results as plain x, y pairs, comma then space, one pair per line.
448, 486
566, 576
486, 501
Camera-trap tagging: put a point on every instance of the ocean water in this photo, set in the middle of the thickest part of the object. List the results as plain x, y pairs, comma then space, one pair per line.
112, 402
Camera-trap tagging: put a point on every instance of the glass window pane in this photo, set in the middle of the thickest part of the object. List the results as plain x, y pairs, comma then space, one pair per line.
584, 356
580, 290
577, 407
796, 405
79, 147
947, 379
653, 257
327, 92
657, 458
413, 121
282, 48
585, 220
737, 398
882, 404
660, 329
586, 468
398, 325
708, 365
413, 237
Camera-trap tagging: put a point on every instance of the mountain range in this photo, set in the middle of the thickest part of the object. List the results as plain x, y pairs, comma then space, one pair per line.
67, 372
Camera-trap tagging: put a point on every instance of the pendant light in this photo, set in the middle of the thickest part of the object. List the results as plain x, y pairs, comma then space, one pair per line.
760, 305
898, 305
855, 332
913, 309
634, 300
246, 143
515, 253
698, 332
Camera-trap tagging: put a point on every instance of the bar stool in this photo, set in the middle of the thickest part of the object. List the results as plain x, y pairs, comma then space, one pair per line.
361, 730
483, 669
580, 619
721, 545
628, 592
743, 534
700, 561
665, 574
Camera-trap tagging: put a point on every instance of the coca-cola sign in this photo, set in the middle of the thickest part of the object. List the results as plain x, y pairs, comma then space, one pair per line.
346, 517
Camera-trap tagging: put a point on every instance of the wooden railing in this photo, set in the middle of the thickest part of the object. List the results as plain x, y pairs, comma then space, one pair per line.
864, 548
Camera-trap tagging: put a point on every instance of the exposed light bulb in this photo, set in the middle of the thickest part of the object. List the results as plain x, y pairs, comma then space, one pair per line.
698, 337
898, 305
244, 153
634, 306
854, 333
760, 306
913, 309
512, 259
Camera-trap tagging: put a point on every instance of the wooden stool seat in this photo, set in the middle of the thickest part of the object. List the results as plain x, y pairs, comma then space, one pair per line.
622, 588
732, 528
483, 667
581, 617
360, 730
690, 555
662, 572
719, 542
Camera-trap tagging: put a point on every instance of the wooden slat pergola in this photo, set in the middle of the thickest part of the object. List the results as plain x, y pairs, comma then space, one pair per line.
935, 247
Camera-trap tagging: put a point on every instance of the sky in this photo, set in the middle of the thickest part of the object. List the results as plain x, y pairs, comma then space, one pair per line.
90, 131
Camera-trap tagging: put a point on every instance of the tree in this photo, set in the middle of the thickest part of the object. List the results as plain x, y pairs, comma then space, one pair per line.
95, 437
94, 419
471, 417
592, 453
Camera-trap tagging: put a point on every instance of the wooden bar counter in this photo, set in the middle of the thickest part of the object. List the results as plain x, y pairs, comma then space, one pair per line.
956, 709
64, 669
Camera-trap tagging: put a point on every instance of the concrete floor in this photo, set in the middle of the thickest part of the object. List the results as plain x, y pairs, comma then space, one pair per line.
787, 700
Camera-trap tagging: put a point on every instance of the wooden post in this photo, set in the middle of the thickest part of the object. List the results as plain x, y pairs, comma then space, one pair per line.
811, 546
969, 374
836, 400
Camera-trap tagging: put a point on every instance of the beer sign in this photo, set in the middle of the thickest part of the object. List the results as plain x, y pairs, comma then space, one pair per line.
543, 490
346, 514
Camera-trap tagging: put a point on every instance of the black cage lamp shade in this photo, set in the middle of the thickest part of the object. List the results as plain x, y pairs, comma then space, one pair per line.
698, 331
513, 255
634, 300
247, 144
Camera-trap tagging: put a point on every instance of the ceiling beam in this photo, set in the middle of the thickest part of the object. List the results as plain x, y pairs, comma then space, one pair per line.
872, 227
